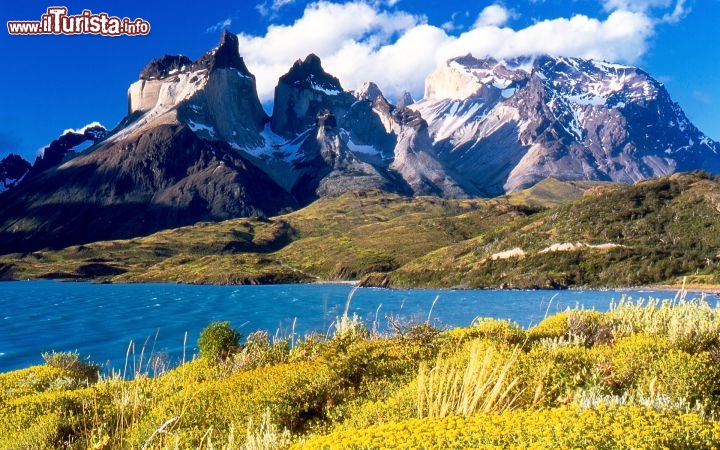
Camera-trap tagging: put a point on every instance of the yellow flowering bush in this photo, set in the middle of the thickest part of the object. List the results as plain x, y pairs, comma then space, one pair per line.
485, 328
295, 394
550, 327
623, 427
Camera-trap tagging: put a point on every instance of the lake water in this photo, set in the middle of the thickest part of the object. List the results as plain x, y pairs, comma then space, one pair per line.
101, 320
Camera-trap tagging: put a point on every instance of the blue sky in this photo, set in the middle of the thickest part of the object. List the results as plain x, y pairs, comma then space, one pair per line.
52, 83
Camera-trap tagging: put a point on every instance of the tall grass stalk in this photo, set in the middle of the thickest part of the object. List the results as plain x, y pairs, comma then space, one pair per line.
480, 385
693, 322
437, 297
266, 436
347, 325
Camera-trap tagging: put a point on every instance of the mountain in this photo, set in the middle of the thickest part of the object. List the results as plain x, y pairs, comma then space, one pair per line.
197, 145
174, 160
331, 141
568, 118
14, 169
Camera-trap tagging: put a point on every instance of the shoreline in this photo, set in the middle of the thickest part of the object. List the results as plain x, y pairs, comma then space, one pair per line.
713, 289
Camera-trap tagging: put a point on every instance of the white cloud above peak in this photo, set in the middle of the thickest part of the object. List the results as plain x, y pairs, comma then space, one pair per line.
362, 41
493, 16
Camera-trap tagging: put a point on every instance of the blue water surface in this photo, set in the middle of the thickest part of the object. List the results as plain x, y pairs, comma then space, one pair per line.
102, 320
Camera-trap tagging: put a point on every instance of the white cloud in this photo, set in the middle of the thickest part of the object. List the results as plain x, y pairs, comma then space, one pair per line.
491, 16
339, 32
360, 41
672, 10
271, 8
621, 37
219, 26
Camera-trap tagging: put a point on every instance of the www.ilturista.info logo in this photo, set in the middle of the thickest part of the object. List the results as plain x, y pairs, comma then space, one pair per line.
56, 21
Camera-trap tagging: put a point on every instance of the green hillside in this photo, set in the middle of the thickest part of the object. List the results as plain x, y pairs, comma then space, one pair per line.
553, 235
335, 238
656, 231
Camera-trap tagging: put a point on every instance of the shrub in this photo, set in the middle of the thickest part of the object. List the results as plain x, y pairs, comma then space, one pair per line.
551, 376
296, 396
72, 362
550, 327
259, 352
218, 340
500, 331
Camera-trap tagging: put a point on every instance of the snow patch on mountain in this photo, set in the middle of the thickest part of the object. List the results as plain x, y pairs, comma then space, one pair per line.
324, 90
201, 128
359, 148
84, 129
277, 148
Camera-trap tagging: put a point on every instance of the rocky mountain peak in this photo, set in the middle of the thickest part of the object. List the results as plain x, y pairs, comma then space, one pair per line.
164, 66
303, 92
368, 91
466, 76
70, 142
309, 73
225, 56
404, 100
569, 118
12, 169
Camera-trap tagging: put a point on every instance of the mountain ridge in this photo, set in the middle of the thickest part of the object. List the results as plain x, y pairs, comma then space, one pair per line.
485, 127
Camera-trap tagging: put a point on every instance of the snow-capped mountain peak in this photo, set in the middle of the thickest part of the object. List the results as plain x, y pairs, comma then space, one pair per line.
514, 122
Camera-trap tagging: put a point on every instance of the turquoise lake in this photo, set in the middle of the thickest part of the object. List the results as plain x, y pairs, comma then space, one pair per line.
101, 320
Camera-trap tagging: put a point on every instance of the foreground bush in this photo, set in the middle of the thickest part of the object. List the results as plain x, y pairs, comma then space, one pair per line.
218, 340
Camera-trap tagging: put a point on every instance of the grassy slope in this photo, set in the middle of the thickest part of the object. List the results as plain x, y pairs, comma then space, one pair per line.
334, 238
664, 229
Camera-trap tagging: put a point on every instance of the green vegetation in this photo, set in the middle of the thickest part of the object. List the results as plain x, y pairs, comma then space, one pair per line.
643, 375
218, 340
334, 238
73, 363
654, 232
553, 235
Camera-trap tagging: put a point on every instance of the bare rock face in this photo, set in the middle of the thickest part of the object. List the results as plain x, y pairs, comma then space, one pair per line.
327, 167
302, 93
65, 146
506, 125
165, 66
355, 141
12, 169
215, 96
416, 162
